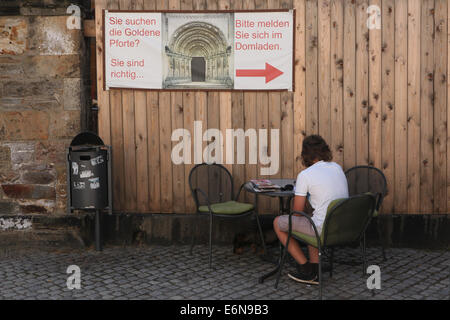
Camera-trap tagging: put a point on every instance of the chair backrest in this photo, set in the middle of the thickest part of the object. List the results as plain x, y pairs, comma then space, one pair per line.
214, 180
347, 221
362, 179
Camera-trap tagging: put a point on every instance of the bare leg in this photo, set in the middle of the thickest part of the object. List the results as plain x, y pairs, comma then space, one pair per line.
313, 254
294, 248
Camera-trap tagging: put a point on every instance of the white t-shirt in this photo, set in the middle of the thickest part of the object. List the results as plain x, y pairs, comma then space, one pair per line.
324, 182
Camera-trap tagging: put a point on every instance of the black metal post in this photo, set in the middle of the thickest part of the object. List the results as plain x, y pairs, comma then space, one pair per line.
98, 244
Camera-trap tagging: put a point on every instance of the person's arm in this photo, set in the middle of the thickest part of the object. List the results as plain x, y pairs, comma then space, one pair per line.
301, 190
299, 203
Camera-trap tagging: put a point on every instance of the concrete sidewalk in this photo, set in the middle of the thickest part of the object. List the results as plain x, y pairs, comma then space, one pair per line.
169, 272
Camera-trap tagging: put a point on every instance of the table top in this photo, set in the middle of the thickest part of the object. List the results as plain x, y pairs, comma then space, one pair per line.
281, 182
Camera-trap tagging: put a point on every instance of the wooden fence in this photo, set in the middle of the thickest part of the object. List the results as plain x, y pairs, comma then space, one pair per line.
377, 95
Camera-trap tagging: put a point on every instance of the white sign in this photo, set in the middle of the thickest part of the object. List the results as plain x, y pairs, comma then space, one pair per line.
223, 50
263, 50
133, 50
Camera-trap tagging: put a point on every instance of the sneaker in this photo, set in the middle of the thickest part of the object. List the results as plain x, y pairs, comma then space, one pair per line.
306, 274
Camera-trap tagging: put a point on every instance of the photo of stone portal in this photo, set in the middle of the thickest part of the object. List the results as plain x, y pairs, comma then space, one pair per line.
198, 51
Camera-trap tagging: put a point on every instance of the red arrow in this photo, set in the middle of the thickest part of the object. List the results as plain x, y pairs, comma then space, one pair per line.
269, 73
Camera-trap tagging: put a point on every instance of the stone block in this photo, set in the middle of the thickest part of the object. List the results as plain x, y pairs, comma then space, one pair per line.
38, 177
42, 103
8, 176
61, 174
25, 125
27, 191
5, 154
53, 152
8, 208
72, 94
39, 103
65, 125
61, 198
41, 88
67, 66
11, 67
50, 36
21, 153
28, 206
14, 32
27, 209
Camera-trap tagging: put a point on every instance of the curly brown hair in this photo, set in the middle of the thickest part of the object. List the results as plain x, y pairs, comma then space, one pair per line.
315, 148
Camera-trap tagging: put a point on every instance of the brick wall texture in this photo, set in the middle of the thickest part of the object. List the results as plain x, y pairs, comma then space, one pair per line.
41, 100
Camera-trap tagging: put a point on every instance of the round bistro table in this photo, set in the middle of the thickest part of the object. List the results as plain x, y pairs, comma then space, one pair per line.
285, 198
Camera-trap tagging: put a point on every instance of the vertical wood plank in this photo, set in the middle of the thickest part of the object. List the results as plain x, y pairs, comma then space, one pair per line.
141, 151
426, 108
374, 110
448, 108
300, 84
413, 164
188, 121
129, 135
349, 84
201, 111
324, 68
262, 122
118, 168
362, 83
336, 81
237, 120
165, 133
274, 99
177, 111
225, 103
312, 112
141, 138
117, 143
388, 96
401, 105
213, 106
249, 122
287, 124
129, 147
154, 177
440, 107
154, 165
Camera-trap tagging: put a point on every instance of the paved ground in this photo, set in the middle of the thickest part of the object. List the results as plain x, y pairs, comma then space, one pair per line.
162, 272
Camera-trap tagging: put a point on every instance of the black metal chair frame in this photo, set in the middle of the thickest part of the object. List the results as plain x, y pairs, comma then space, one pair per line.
380, 198
197, 191
323, 246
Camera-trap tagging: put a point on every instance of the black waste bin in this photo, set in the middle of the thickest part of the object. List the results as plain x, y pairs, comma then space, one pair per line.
89, 177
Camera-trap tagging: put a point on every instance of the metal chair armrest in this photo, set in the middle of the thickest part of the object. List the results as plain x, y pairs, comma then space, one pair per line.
310, 221
198, 190
378, 201
239, 192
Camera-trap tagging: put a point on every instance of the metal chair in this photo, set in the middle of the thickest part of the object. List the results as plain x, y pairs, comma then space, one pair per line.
362, 179
212, 188
345, 223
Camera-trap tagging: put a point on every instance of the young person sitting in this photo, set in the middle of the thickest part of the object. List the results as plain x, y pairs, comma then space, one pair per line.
320, 183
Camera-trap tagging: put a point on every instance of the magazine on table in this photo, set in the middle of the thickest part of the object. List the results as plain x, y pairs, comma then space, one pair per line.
264, 185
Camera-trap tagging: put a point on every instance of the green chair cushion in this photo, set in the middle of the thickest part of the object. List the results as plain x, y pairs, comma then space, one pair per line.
229, 207
311, 240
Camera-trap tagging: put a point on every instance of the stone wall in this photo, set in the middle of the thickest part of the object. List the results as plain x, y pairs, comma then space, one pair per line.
42, 100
